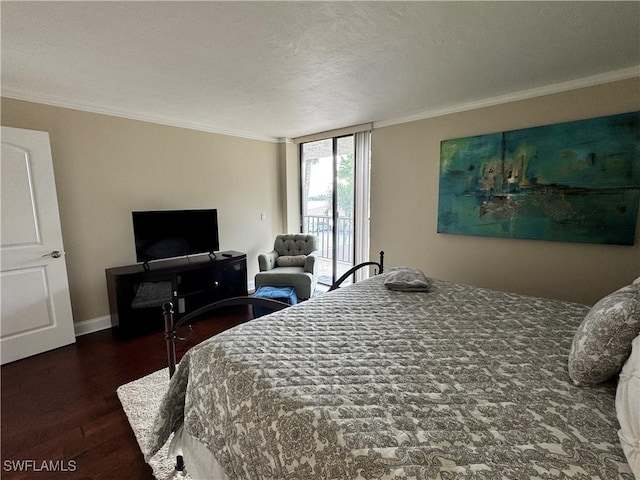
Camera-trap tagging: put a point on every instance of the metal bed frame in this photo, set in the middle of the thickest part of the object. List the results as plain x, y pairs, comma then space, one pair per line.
171, 327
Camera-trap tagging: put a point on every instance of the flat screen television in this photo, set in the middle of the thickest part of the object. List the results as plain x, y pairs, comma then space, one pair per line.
174, 233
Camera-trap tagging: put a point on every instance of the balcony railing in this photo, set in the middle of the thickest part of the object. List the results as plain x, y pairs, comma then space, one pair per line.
322, 226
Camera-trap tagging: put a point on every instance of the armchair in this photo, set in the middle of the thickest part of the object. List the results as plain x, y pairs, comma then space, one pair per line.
291, 263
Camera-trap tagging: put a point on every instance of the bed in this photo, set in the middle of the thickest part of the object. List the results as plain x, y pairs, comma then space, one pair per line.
366, 382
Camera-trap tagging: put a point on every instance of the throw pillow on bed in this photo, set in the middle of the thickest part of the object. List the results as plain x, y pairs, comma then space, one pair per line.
602, 343
406, 279
291, 260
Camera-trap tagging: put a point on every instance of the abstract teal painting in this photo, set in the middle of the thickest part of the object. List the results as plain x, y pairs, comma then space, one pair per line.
573, 182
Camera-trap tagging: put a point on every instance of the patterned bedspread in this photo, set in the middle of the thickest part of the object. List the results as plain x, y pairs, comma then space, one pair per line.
367, 383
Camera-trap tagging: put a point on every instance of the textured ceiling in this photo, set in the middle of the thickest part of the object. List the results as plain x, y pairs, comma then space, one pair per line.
284, 69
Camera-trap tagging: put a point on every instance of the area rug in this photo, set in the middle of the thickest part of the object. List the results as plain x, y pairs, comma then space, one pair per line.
140, 400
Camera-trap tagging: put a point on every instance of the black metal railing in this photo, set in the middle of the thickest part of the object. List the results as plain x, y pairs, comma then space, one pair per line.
322, 226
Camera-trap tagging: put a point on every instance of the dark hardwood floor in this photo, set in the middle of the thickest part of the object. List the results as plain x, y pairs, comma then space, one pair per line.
61, 407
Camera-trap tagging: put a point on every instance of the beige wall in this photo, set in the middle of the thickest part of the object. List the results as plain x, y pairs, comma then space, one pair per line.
106, 167
404, 204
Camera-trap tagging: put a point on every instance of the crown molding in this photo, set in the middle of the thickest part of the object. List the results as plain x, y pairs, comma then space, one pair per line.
338, 132
43, 99
584, 82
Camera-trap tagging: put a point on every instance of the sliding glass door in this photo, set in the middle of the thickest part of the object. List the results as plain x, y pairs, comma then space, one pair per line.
328, 202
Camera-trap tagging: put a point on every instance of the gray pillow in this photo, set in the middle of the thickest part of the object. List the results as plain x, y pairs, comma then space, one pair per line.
406, 279
291, 260
602, 342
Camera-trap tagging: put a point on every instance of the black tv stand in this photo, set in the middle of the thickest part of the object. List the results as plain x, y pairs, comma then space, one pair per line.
137, 292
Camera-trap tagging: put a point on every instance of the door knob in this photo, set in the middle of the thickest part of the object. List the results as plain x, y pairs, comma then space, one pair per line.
54, 254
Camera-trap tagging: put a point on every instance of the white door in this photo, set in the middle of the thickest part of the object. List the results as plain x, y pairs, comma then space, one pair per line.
35, 313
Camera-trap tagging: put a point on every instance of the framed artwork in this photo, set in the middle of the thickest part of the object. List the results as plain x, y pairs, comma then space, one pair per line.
572, 182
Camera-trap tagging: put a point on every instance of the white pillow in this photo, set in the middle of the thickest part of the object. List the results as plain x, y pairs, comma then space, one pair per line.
628, 407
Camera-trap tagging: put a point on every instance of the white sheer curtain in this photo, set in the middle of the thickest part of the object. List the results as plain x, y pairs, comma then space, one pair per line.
362, 174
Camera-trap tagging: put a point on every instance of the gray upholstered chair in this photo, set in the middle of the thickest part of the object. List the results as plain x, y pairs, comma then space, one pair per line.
292, 263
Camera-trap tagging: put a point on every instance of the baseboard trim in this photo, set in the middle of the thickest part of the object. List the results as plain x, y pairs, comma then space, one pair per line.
93, 325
